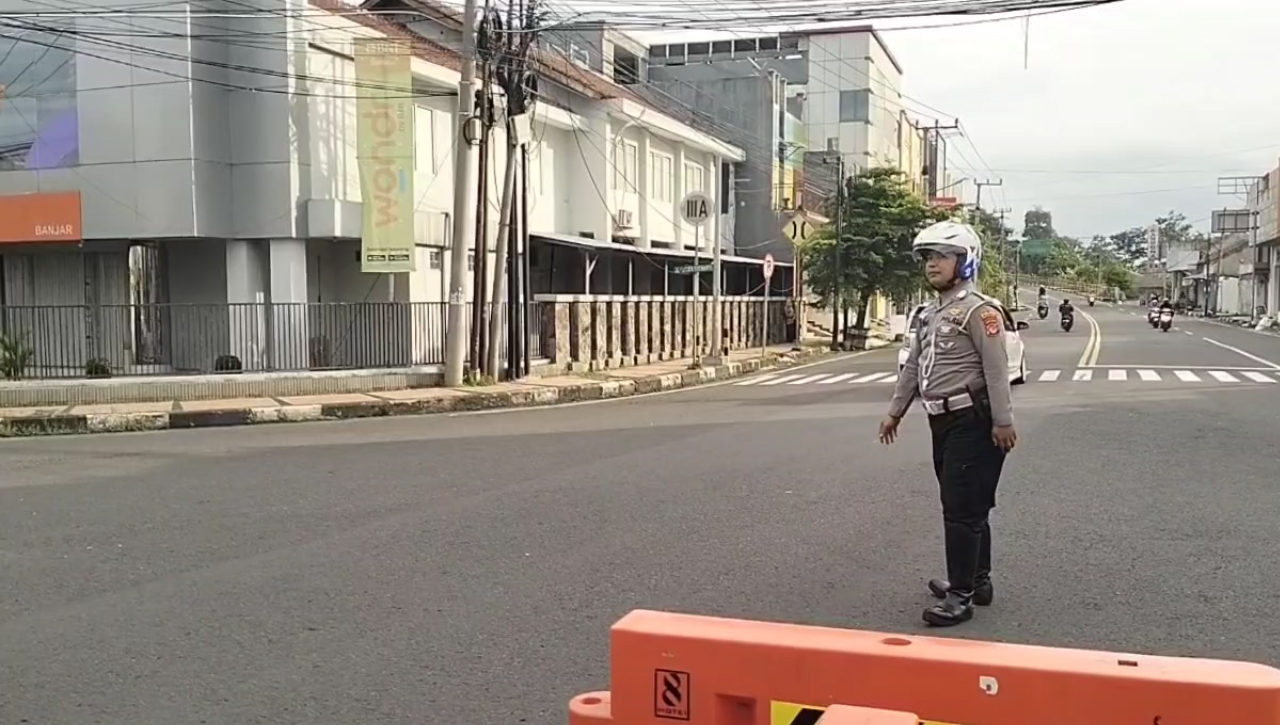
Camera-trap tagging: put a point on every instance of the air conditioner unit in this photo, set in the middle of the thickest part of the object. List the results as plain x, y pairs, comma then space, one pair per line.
624, 219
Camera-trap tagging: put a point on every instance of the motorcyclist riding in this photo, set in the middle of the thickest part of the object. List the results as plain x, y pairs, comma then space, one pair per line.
1166, 304
1066, 309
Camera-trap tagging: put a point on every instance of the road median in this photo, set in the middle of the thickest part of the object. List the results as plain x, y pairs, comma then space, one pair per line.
526, 393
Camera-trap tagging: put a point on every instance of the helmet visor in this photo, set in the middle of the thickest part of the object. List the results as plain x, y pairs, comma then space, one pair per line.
925, 252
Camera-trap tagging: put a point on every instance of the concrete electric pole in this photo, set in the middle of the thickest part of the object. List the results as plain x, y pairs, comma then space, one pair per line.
467, 159
1003, 240
977, 203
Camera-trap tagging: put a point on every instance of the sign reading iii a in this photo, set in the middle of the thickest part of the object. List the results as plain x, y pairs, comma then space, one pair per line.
696, 207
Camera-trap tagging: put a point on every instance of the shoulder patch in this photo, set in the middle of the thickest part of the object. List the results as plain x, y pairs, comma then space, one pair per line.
990, 321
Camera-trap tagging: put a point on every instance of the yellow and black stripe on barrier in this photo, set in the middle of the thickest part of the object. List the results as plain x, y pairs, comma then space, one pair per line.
789, 713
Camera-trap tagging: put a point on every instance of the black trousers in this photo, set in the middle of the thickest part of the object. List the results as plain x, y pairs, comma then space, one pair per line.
968, 465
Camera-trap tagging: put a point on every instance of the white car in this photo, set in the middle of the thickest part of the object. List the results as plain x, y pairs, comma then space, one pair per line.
1012, 337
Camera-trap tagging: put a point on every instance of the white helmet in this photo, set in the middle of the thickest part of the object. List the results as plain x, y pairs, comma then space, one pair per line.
952, 238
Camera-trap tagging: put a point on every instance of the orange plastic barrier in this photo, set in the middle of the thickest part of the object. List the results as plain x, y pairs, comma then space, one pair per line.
675, 668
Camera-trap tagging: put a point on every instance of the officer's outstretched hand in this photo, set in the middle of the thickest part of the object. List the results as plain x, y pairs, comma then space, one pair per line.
889, 429
1004, 437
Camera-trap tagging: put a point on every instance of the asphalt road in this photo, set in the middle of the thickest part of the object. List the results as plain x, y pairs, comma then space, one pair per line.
466, 569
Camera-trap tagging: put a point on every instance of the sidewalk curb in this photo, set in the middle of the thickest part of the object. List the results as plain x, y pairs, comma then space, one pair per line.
533, 396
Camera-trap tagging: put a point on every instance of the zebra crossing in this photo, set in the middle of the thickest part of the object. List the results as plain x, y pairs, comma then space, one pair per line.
1079, 375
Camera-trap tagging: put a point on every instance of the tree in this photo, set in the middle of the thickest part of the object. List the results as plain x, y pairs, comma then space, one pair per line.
1176, 233
880, 216
1093, 265
1037, 224
1129, 245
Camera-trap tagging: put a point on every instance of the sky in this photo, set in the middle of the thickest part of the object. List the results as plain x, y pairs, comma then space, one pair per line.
1123, 113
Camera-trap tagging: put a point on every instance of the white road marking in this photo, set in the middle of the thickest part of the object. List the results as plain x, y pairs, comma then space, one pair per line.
783, 379
869, 378
810, 379
837, 378
1238, 351
1149, 374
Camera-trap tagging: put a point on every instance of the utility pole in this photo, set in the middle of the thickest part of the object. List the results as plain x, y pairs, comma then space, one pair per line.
466, 156
1253, 261
1208, 255
977, 204
836, 300
512, 74
1004, 253
935, 156
480, 270
1017, 270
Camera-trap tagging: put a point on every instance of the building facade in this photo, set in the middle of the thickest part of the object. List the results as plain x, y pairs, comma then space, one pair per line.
184, 202
1263, 200
850, 81
754, 108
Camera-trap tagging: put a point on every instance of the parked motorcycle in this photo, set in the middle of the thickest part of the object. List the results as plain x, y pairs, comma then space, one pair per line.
1166, 320
1042, 309
1067, 322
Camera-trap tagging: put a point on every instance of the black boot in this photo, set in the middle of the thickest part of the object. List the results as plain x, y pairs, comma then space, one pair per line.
956, 608
983, 594
983, 591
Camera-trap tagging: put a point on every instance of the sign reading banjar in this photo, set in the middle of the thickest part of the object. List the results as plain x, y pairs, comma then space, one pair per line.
35, 218
384, 154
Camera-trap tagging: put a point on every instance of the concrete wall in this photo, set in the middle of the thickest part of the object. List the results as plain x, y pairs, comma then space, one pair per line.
593, 332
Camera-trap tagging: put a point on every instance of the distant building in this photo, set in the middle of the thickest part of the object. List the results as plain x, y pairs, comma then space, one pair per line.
850, 82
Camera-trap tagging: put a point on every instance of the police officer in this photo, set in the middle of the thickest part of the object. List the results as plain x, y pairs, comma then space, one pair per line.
959, 369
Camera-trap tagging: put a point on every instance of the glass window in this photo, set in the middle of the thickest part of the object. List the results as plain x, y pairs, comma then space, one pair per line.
660, 181
855, 106
694, 178
625, 172
39, 126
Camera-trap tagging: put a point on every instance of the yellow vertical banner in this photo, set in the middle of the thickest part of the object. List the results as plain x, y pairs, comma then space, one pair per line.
384, 153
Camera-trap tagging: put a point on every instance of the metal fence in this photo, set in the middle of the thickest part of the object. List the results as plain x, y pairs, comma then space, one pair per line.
76, 341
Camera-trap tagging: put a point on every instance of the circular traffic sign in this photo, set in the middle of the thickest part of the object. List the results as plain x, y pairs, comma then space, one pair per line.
696, 207
768, 266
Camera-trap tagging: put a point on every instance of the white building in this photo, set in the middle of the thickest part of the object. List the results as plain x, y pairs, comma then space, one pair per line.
849, 79
231, 170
